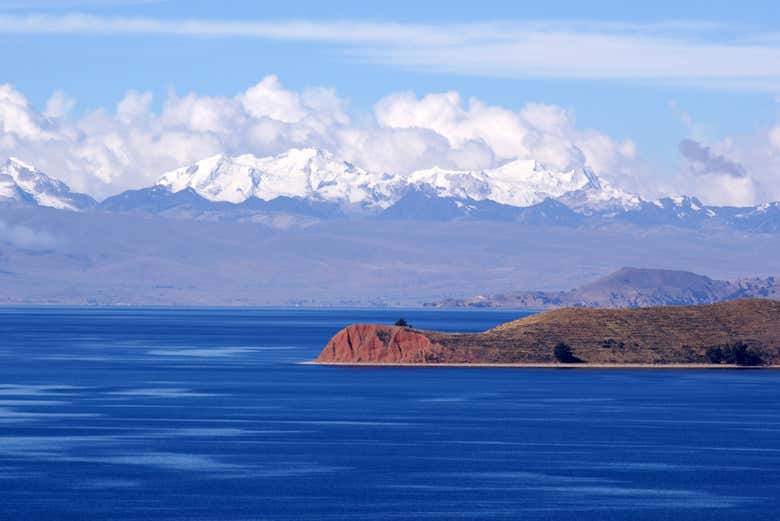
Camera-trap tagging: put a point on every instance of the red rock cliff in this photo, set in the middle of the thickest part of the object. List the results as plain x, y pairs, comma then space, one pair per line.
366, 343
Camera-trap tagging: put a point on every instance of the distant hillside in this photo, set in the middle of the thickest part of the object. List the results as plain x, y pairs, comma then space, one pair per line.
51, 256
631, 288
739, 332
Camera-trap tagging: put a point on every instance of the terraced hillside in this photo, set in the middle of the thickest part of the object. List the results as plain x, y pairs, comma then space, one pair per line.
743, 332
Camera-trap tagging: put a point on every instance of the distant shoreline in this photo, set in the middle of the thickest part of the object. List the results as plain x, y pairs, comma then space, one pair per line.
547, 365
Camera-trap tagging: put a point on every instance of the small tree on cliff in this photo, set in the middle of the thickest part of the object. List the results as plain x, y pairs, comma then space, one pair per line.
564, 354
401, 322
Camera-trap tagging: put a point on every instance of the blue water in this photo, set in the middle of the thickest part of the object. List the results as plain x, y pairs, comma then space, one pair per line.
205, 415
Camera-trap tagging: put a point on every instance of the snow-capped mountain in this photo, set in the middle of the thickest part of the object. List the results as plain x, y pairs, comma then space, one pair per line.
524, 183
764, 218
21, 183
316, 174
315, 184
421, 204
306, 173
677, 210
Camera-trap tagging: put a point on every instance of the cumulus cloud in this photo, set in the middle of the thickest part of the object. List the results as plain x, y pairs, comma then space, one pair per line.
134, 105
59, 105
481, 134
17, 119
103, 152
269, 99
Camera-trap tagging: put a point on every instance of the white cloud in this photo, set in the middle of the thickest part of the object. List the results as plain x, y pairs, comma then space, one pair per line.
104, 152
203, 114
684, 53
268, 98
774, 138
733, 171
546, 133
397, 150
133, 106
17, 119
725, 190
446, 114
59, 105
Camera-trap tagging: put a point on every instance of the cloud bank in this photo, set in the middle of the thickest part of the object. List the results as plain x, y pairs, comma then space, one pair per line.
104, 152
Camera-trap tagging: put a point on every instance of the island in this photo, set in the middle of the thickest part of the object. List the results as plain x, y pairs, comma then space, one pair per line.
744, 332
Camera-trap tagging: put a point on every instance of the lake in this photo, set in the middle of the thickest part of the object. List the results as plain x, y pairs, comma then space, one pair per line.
206, 414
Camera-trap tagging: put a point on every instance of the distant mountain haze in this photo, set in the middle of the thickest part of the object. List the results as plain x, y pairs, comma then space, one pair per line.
631, 288
308, 228
50, 256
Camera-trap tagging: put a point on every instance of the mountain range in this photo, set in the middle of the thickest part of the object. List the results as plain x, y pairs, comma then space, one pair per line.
630, 288
308, 184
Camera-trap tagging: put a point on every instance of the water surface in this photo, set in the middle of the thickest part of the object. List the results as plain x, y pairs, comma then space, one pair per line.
137, 414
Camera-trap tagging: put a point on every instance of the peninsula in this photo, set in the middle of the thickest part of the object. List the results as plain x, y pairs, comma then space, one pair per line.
743, 332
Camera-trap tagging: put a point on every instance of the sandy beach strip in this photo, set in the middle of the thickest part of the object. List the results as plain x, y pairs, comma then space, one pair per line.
530, 365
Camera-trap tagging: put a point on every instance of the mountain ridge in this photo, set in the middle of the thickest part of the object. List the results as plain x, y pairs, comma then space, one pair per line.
310, 183
318, 174
21, 183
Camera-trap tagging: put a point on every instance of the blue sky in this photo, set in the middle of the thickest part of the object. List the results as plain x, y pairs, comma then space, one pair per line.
655, 104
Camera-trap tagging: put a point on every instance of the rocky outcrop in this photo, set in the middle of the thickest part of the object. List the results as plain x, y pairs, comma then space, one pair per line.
364, 343
657, 335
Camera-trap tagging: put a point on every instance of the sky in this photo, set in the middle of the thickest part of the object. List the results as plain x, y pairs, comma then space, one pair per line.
658, 98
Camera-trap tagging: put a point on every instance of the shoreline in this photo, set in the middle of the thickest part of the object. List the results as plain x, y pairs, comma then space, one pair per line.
532, 365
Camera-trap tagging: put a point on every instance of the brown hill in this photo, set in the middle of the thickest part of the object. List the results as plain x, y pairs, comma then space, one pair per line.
745, 331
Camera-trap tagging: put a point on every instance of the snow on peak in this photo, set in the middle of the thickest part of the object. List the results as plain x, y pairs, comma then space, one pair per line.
680, 201
318, 174
524, 183
308, 173
462, 184
15, 161
766, 207
23, 183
